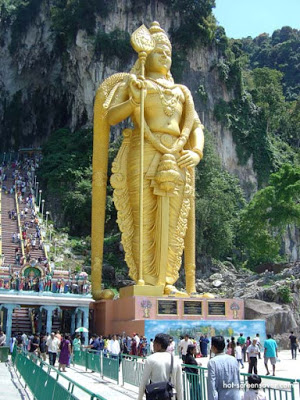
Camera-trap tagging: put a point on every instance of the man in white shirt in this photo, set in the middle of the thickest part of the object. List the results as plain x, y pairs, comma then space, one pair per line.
114, 347
252, 352
24, 342
53, 346
258, 344
137, 339
2, 338
183, 345
158, 365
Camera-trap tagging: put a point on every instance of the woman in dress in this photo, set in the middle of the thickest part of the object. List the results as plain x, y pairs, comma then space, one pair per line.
65, 352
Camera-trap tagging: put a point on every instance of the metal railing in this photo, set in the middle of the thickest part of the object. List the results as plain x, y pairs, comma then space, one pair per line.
194, 384
46, 382
107, 366
286, 391
132, 369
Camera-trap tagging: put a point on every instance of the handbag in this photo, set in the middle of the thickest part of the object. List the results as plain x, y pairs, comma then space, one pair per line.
161, 390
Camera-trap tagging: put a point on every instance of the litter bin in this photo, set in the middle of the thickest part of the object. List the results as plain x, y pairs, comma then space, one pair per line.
4, 351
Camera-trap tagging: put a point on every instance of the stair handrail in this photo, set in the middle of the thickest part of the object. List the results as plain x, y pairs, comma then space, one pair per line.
36, 209
19, 221
44, 247
1, 260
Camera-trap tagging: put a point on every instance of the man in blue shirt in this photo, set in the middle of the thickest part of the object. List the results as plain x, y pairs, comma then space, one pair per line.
95, 345
223, 382
101, 342
204, 341
270, 353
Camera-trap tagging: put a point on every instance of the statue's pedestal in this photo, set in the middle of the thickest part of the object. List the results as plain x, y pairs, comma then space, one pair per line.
145, 290
139, 313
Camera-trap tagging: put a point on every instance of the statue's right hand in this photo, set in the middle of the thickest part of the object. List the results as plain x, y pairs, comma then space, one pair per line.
135, 86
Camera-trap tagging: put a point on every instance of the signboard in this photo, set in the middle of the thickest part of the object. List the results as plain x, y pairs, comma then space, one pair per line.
167, 307
216, 308
192, 307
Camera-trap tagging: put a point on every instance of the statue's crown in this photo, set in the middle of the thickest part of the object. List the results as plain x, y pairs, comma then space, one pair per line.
159, 35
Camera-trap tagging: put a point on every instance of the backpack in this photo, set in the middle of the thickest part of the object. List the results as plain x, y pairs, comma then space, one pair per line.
160, 390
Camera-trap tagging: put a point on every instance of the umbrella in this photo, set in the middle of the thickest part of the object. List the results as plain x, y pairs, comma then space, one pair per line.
82, 329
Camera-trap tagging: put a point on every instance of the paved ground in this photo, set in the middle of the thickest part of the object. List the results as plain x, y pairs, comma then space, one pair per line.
12, 390
93, 382
286, 368
11, 387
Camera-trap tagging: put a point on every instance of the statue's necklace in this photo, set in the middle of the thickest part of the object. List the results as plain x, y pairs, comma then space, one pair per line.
168, 99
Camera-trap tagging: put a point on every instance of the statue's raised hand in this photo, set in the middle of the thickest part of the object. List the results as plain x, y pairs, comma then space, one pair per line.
135, 86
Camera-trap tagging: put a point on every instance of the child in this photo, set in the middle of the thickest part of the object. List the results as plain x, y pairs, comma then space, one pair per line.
254, 392
238, 354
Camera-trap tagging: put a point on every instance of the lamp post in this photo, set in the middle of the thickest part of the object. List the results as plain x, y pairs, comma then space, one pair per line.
40, 198
34, 180
43, 204
36, 191
47, 215
50, 229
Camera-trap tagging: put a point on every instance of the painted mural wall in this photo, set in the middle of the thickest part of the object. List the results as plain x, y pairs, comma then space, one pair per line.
225, 328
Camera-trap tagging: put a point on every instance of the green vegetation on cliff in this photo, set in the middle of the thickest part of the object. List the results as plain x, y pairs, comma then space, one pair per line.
279, 51
65, 175
219, 199
265, 219
68, 16
20, 14
264, 122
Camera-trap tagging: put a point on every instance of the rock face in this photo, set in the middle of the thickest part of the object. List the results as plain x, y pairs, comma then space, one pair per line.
43, 89
279, 318
273, 297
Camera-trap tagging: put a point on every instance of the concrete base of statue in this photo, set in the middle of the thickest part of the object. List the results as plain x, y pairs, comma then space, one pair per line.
136, 313
143, 290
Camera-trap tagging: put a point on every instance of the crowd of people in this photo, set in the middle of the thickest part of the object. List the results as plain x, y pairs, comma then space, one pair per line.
135, 345
224, 364
23, 184
223, 380
249, 350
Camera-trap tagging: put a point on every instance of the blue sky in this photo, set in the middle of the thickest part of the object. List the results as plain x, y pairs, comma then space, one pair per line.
242, 18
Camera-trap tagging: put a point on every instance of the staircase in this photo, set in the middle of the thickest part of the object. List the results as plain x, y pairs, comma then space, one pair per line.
21, 321
9, 226
35, 253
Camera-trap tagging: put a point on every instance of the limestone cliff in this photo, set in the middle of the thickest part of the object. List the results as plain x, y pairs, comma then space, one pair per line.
44, 87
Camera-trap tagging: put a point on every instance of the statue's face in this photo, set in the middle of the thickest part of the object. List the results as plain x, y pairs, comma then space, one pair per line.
159, 60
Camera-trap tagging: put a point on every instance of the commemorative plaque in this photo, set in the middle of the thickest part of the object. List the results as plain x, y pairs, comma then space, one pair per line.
216, 308
192, 307
167, 307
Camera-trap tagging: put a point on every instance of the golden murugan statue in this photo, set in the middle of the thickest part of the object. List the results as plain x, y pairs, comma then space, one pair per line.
156, 212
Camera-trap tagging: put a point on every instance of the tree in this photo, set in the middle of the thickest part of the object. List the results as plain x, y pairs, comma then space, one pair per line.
219, 199
265, 219
268, 95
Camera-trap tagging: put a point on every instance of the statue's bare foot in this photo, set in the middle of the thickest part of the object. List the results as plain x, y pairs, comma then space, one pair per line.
171, 290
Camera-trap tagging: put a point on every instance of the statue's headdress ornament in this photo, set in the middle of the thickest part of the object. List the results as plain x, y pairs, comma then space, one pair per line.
159, 35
